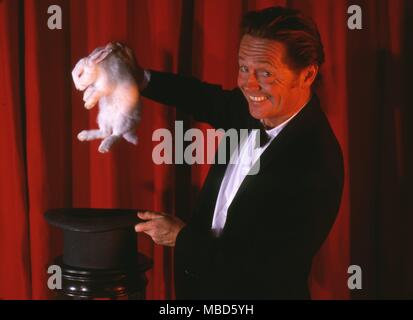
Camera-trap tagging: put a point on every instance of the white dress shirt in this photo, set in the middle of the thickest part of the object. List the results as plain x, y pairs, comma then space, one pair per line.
240, 164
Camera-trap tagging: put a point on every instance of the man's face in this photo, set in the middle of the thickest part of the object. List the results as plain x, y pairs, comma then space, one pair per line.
274, 91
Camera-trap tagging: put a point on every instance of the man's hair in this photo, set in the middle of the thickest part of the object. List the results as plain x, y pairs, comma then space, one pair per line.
297, 32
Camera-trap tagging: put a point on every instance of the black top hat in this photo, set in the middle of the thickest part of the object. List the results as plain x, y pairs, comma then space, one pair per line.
97, 238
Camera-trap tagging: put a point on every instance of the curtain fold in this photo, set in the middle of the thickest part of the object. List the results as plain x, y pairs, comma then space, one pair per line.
15, 267
364, 94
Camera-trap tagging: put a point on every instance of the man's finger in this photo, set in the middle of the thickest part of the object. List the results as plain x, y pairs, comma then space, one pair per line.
148, 215
144, 227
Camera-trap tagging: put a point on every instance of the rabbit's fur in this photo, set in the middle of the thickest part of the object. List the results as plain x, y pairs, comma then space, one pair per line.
106, 79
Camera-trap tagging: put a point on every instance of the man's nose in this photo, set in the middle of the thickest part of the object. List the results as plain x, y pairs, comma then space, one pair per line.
252, 82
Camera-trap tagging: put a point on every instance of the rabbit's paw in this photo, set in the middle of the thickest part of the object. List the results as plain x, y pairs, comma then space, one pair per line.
107, 143
131, 137
83, 135
87, 135
104, 147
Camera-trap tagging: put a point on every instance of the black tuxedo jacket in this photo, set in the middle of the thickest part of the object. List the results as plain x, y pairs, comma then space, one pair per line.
278, 218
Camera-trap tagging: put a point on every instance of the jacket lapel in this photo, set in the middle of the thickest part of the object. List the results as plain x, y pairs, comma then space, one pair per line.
298, 124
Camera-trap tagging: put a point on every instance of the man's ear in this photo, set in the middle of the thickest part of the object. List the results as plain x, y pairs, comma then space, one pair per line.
308, 75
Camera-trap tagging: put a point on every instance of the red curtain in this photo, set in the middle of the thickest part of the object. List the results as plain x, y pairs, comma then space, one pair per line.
43, 166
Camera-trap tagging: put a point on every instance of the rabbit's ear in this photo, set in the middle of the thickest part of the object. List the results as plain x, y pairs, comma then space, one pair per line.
126, 54
98, 55
110, 46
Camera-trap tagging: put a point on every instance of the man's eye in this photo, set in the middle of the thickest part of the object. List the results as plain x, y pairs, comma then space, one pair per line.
243, 68
266, 74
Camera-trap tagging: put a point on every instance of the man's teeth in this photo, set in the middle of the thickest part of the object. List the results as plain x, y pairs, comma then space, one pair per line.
257, 99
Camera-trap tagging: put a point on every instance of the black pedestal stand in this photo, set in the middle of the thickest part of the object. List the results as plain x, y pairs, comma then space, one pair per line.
96, 284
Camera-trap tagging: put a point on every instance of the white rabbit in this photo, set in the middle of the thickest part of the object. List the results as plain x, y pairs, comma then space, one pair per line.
108, 80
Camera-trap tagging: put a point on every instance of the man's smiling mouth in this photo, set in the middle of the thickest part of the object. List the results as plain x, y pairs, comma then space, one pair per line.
257, 98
